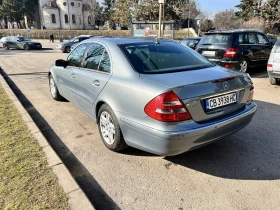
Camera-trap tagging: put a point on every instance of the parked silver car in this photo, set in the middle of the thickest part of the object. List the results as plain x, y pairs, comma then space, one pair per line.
154, 95
273, 64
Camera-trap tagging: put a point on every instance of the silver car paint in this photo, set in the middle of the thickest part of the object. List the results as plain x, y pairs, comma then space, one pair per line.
127, 93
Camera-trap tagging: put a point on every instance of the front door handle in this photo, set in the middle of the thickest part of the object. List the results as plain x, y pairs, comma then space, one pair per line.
73, 76
96, 82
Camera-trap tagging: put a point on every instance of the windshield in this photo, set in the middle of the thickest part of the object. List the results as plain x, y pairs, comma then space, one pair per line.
166, 57
216, 39
22, 38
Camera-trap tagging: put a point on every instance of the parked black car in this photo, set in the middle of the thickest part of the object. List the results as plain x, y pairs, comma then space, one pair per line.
66, 46
20, 42
191, 42
236, 49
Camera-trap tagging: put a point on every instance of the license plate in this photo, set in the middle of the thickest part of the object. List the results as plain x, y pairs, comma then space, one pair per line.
208, 53
213, 103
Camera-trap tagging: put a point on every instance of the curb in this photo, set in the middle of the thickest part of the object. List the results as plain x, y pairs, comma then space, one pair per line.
76, 197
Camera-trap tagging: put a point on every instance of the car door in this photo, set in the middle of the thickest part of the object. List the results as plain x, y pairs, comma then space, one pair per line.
18, 43
93, 77
66, 77
265, 47
251, 42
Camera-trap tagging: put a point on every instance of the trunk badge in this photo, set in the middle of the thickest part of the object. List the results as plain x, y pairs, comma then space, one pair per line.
226, 86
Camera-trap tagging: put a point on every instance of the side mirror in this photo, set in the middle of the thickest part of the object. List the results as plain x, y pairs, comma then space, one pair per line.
18, 40
61, 62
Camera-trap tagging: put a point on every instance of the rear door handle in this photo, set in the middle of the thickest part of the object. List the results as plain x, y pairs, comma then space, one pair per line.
73, 76
96, 82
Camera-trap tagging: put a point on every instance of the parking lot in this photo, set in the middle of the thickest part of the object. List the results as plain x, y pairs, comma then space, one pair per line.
239, 172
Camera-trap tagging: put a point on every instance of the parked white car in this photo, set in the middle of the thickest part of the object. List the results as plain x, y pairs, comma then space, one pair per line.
273, 64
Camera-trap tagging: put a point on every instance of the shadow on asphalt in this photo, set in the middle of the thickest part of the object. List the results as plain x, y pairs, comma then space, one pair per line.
97, 196
252, 153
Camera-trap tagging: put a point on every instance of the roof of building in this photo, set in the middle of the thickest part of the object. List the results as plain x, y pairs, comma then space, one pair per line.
50, 5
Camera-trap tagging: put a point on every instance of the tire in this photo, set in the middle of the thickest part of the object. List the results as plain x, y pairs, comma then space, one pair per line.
243, 65
6, 47
272, 80
53, 89
26, 47
67, 49
108, 125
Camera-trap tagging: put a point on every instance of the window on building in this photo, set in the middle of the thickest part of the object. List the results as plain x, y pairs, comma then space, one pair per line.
72, 4
89, 20
53, 18
79, 4
66, 19
64, 3
74, 19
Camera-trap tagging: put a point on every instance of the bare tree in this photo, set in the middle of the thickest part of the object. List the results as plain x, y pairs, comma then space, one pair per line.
226, 20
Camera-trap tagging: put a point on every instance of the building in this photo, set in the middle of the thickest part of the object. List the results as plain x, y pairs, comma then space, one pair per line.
67, 14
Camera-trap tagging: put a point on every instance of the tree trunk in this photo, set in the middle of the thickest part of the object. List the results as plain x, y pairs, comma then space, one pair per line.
6, 22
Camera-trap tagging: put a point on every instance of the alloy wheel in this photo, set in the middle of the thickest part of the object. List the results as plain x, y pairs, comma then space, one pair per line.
107, 128
52, 87
243, 66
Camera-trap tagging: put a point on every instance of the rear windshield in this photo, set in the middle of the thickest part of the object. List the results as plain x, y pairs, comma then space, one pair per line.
165, 57
216, 39
190, 42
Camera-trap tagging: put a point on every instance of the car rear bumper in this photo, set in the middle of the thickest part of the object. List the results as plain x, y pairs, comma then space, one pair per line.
173, 143
274, 74
224, 63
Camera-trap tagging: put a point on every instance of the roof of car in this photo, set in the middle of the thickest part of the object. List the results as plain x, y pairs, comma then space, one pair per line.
233, 31
85, 36
120, 40
192, 38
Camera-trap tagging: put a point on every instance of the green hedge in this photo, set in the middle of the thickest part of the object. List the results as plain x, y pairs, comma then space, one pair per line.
67, 34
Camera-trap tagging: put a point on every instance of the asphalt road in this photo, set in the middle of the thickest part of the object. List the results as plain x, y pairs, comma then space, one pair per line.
239, 172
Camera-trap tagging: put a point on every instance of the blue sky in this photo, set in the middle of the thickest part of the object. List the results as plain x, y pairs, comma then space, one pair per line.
215, 6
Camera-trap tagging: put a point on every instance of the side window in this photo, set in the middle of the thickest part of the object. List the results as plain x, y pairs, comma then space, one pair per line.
250, 38
94, 55
262, 39
105, 64
76, 56
241, 39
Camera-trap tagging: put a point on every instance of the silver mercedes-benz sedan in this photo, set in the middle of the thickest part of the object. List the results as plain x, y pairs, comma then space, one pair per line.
153, 94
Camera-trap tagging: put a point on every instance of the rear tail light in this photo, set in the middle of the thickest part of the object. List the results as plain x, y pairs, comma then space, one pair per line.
251, 94
167, 107
231, 52
269, 65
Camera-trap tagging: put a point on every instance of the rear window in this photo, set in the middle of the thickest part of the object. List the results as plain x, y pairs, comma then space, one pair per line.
190, 42
165, 57
217, 39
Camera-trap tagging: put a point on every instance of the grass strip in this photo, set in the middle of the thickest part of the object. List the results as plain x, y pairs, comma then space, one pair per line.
26, 180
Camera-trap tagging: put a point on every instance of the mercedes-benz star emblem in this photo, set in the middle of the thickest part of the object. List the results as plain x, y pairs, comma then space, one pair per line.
226, 86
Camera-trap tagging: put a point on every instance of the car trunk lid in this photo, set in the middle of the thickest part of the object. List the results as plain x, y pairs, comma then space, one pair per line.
196, 87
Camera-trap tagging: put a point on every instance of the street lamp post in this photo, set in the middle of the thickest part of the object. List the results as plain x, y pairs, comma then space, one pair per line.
161, 2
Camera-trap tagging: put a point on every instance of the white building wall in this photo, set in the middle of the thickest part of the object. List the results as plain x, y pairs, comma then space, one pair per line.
70, 8
47, 13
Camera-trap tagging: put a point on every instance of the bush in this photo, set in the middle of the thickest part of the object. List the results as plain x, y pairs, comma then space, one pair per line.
67, 34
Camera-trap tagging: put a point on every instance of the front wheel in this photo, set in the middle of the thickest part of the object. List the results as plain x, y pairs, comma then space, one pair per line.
54, 91
6, 47
67, 49
243, 65
109, 129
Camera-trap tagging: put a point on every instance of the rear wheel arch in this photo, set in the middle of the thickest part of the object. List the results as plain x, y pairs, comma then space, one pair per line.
98, 105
